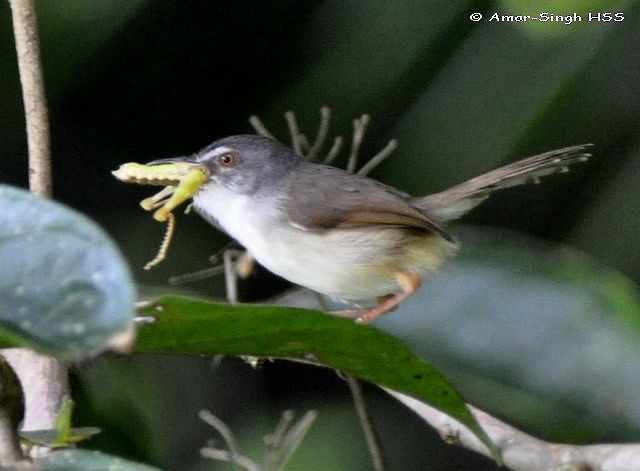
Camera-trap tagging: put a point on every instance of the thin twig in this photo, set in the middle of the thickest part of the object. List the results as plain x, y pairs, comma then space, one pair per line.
274, 439
44, 378
231, 274
365, 422
359, 128
290, 116
260, 128
321, 136
196, 276
303, 142
333, 152
222, 428
378, 158
35, 104
291, 441
224, 455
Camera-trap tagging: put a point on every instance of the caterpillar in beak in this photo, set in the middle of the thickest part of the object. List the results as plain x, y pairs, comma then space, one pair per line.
181, 181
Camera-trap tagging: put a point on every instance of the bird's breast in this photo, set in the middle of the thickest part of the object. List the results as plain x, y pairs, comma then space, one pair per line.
342, 263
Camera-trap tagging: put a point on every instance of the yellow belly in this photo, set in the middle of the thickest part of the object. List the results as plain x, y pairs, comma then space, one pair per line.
353, 264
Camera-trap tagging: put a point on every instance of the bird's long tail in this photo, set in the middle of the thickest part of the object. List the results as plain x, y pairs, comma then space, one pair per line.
458, 200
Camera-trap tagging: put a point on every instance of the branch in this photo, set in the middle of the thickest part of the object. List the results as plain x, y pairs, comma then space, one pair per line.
378, 158
359, 128
281, 443
521, 451
43, 378
35, 105
286, 438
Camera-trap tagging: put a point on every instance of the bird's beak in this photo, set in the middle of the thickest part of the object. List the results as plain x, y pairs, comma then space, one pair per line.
183, 173
189, 159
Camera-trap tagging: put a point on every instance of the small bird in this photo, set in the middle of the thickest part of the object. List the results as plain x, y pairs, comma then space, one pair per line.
344, 235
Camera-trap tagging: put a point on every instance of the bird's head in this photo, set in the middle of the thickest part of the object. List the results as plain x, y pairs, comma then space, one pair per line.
244, 164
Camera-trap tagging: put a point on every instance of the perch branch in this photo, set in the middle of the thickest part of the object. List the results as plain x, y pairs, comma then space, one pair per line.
521, 451
44, 379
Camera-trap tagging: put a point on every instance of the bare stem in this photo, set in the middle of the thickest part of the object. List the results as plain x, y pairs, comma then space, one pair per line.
231, 454
35, 105
229, 257
365, 422
359, 128
378, 158
522, 451
289, 442
259, 127
333, 152
323, 130
44, 379
292, 122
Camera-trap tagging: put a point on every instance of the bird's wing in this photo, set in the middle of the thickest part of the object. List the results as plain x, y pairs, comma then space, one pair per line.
323, 198
458, 200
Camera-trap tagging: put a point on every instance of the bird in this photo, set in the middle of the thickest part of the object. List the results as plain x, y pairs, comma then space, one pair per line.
343, 235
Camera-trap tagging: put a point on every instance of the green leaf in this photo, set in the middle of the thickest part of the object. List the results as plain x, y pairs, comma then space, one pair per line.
87, 460
63, 435
51, 438
192, 326
63, 422
538, 332
535, 331
64, 287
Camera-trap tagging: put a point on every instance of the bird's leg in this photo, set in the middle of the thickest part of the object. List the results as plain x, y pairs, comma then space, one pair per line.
236, 263
408, 281
245, 264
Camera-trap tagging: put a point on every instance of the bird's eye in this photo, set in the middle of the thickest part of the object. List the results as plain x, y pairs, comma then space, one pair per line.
228, 159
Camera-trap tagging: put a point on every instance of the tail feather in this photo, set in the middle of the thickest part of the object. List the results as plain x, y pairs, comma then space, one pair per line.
460, 199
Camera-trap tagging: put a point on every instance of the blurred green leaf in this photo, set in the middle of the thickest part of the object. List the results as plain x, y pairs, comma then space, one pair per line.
369, 57
610, 224
63, 421
553, 26
535, 331
541, 334
64, 287
81, 27
192, 326
51, 438
86, 460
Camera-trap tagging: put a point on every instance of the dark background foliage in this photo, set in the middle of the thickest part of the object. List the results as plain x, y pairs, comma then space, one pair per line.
135, 80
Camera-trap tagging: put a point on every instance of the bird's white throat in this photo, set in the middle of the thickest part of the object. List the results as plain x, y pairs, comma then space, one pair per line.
333, 263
